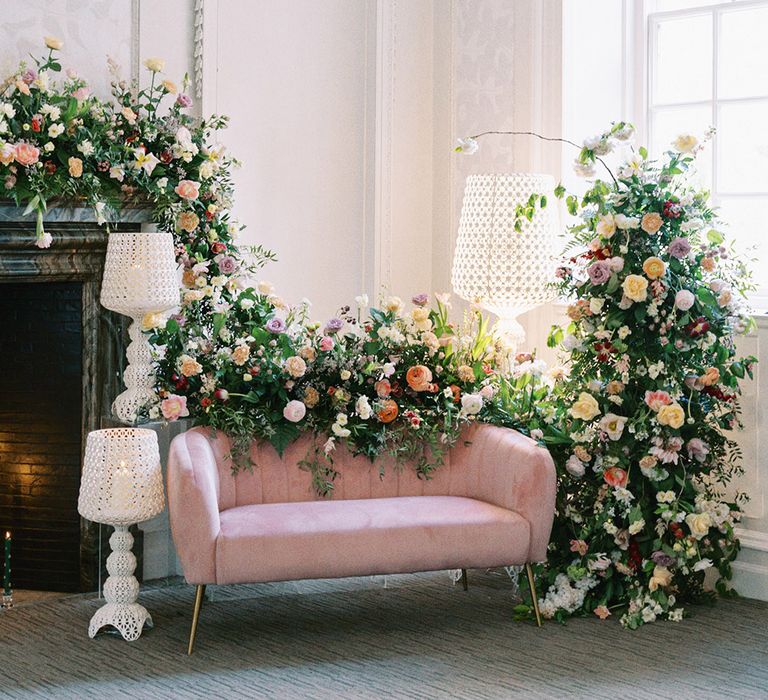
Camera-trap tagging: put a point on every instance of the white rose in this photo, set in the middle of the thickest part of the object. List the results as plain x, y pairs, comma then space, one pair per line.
684, 300
626, 222
575, 467
55, 130
363, 408
345, 374
471, 404
362, 300
596, 304
294, 411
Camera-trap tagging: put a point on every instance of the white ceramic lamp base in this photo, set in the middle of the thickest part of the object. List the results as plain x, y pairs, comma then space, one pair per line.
121, 590
139, 377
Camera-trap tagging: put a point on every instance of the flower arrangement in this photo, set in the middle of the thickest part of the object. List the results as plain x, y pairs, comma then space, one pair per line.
639, 427
399, 383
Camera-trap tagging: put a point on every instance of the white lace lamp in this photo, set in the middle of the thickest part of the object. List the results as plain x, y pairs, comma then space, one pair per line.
139, 278
121, 484
505, 271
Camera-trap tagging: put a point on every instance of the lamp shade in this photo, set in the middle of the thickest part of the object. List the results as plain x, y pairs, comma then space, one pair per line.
122, 482
506, 271
139, 273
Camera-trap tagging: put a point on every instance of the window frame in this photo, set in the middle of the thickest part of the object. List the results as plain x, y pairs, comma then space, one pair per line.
650, 22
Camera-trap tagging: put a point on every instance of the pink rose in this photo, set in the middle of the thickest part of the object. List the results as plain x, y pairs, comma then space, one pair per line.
81, 93
294, 411
26, 154
684, 300
188, 189
326, 343
174, 407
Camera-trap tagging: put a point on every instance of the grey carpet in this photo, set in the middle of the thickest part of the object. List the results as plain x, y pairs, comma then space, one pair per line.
418, 638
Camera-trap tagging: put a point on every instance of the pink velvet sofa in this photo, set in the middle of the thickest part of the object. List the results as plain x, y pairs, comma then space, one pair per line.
490, 504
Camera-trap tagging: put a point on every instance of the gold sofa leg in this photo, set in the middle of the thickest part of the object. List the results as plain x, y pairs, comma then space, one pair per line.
195, 618
464, 583
534, 596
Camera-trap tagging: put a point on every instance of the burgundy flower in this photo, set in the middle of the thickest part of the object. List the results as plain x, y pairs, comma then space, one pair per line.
697, 327
672, 210
604, 350
50, 167
103, 166
166, 156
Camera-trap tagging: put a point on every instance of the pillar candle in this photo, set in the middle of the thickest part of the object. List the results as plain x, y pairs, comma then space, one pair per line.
7, 569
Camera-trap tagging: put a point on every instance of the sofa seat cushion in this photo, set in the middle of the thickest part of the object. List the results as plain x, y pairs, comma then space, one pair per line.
329, 539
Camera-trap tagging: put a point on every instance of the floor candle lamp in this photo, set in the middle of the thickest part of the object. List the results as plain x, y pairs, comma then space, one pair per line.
139, 277
121, 484
505, 271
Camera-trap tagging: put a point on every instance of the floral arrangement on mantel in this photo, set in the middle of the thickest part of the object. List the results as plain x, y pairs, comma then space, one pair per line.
639, 427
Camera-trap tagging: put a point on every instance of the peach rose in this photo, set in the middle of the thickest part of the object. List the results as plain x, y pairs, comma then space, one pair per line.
710, 377
708, 264
240, 355
75, 166
661, 578
651, 222
308, 353
188, 189
311, 397
6, 154
383, 388
295, 366
654, 268
388, 411
188, 221
466, 373
419, 377
26, 154
190, 366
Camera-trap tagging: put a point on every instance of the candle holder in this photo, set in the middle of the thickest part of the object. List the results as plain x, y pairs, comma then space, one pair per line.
121, 484
7, 602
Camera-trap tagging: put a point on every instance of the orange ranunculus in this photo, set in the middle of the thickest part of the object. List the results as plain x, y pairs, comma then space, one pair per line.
26, 154
388, 411
615, 476
456, 393
419, 377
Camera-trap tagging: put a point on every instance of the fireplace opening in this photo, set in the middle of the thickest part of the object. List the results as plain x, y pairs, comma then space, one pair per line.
41, 394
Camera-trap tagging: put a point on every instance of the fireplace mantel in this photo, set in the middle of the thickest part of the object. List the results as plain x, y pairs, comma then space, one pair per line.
75, 255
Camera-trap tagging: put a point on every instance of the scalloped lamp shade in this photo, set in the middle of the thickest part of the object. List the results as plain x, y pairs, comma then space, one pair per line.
139, 278
505, 271
121, 484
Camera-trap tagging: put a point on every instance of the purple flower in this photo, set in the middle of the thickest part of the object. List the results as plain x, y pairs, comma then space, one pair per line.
29, 75
183, 100
334, 325
679, 247
275, 325
599, 272
662, 559
181, 319
420, 299
227, 264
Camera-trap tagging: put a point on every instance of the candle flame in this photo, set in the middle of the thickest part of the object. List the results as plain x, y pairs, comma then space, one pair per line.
8, 535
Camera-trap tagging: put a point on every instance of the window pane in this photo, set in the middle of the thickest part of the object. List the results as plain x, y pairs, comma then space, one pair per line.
669, 123
672, 5
743, 55
743, 219
683, 66
742, 151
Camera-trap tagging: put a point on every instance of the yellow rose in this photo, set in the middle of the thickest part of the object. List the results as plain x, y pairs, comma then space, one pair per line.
651, 222
585, 407
698, 524
635, 287
685, 143
53, 43
661, 578
156, 65
75, 166
421, 319
654, 267
672, 415
152, 320
606, 226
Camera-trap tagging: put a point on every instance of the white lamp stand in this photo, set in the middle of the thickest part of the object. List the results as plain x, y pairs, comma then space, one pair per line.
139, 278
507, 272
121, 484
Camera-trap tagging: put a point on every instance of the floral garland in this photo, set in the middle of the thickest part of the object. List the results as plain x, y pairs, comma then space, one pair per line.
638, 428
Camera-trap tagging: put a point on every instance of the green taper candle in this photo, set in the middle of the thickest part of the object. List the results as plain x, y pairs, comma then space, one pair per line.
7, 569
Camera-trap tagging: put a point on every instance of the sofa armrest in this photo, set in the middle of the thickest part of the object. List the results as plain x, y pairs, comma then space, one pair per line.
193, 505
514, 472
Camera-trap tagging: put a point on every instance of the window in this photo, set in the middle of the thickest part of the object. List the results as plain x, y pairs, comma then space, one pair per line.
708, 66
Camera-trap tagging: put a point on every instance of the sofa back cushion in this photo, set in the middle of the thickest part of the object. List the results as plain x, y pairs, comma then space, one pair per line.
280, 480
